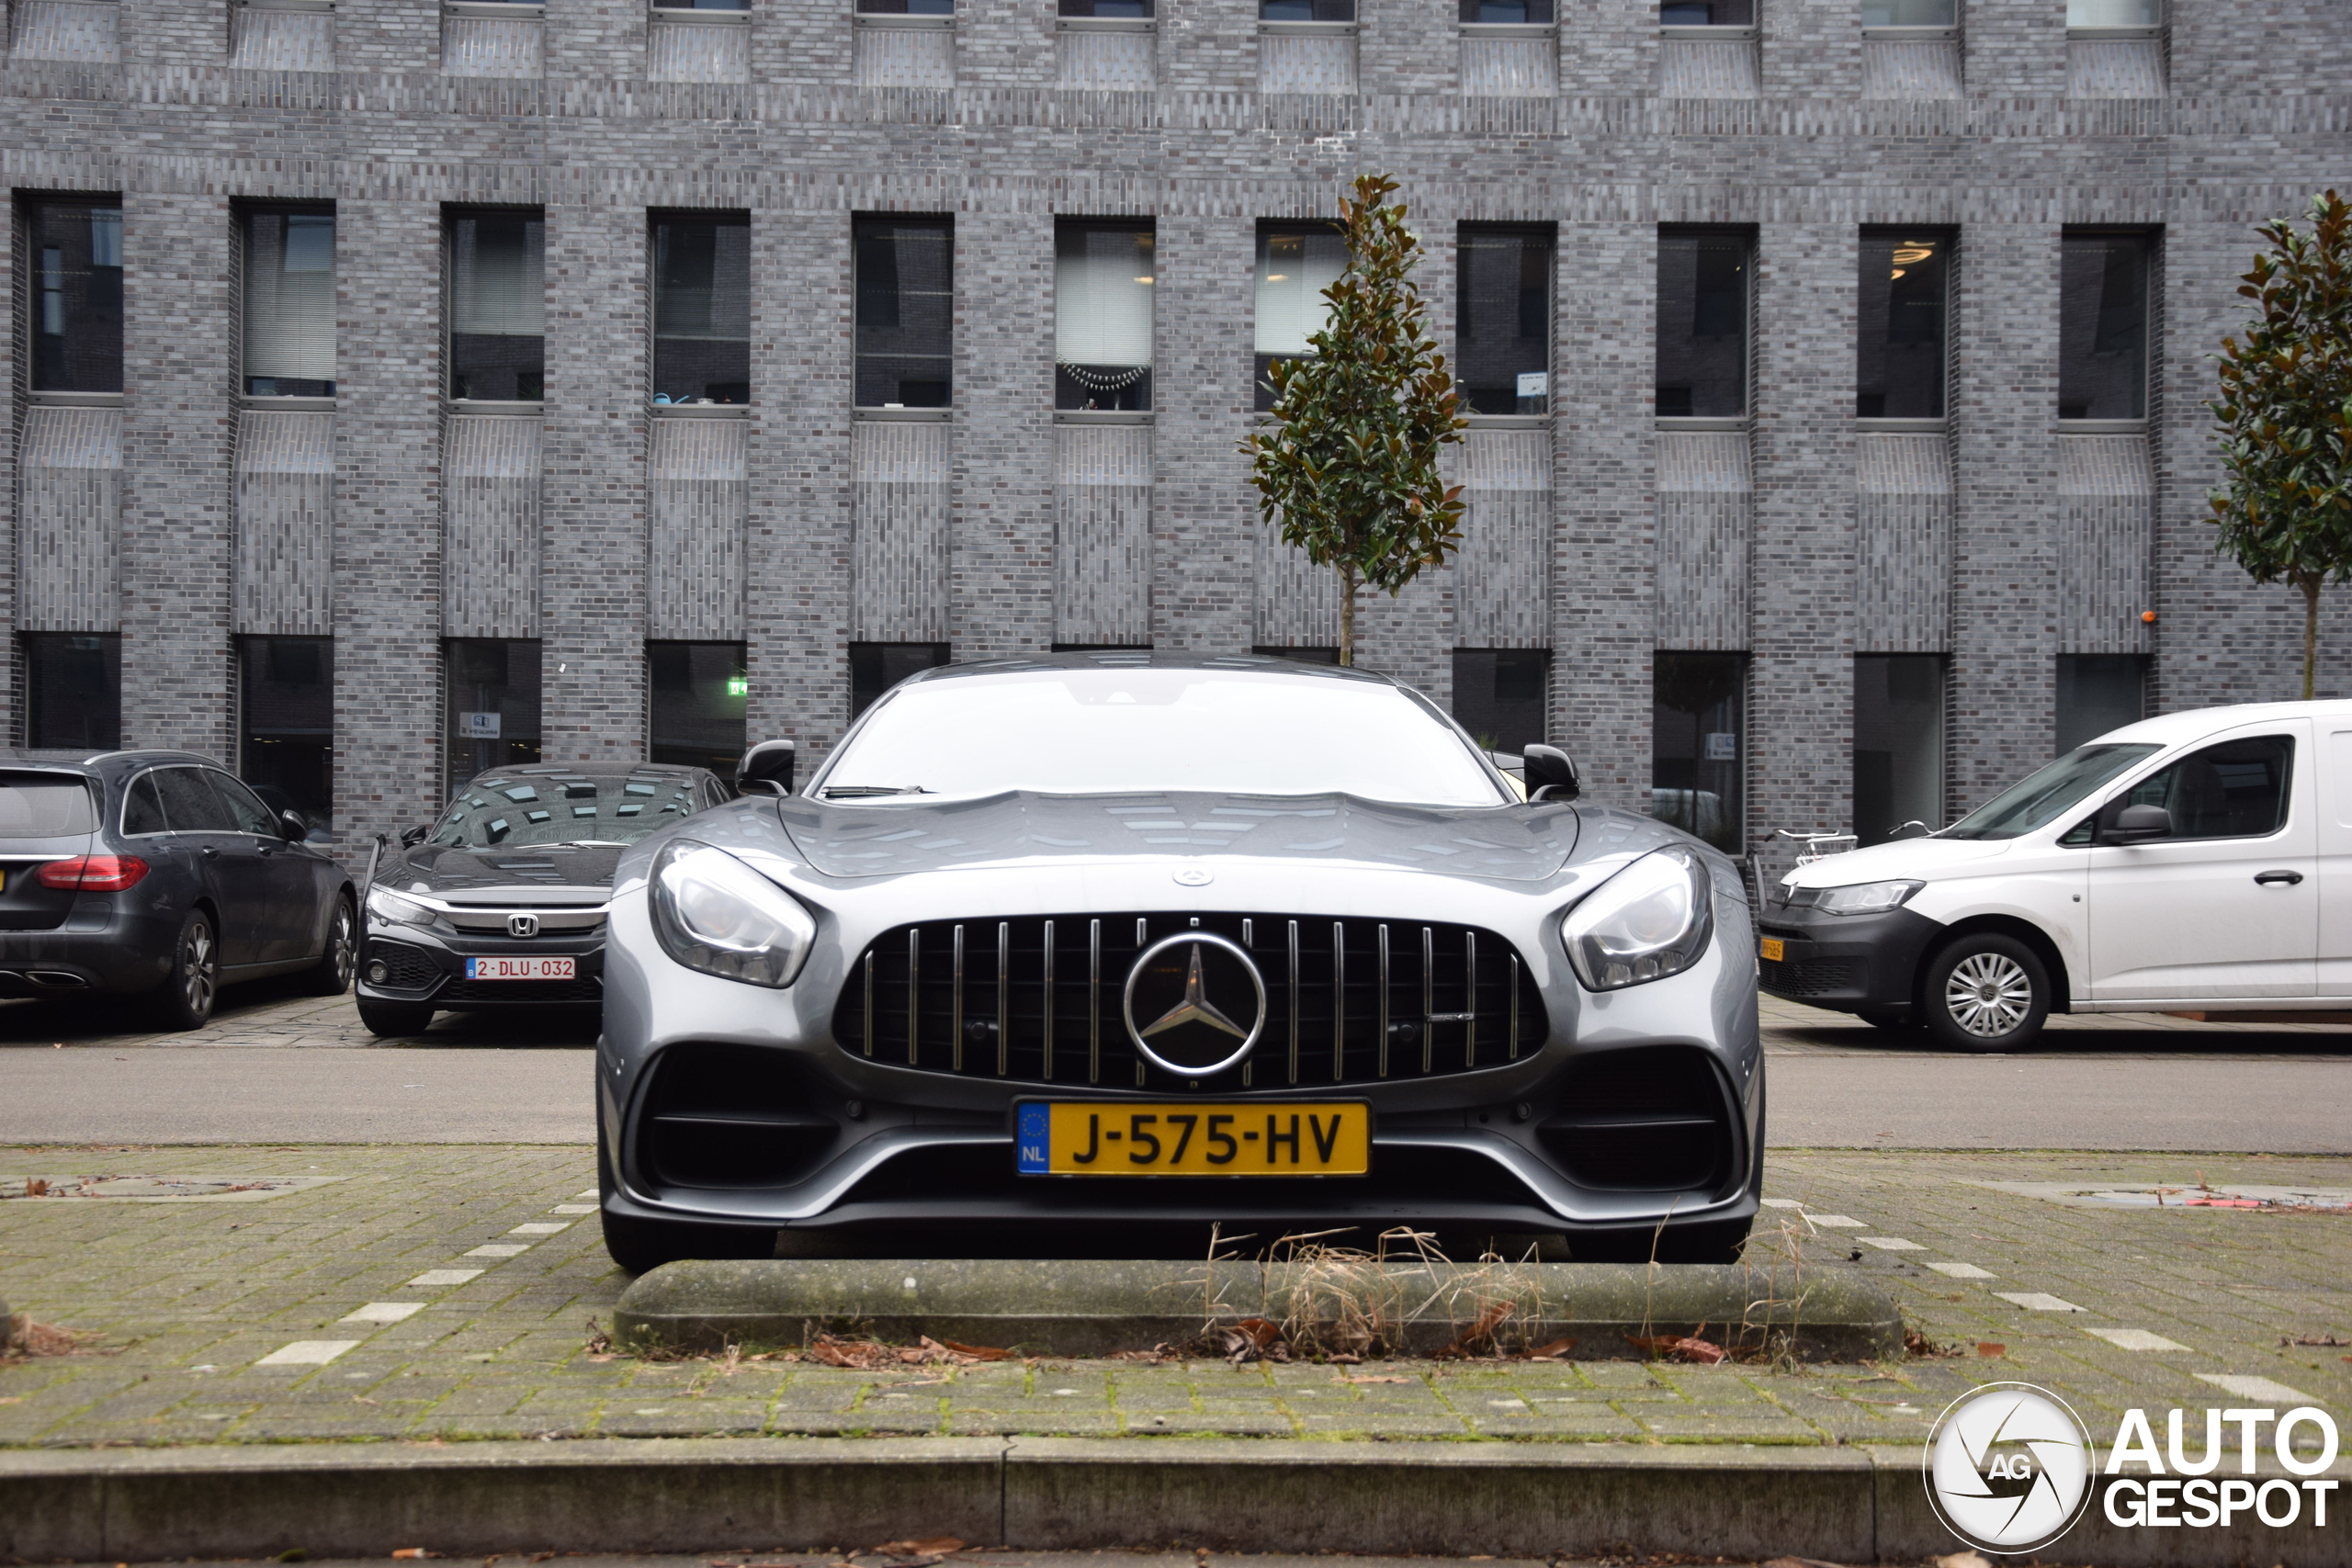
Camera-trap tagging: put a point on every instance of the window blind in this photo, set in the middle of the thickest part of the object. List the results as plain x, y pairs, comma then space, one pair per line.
290, 296
702, 269
1294, 265
497, 275
1103, 283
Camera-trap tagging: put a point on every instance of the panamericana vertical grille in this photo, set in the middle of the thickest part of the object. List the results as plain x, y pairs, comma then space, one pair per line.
1039, 1000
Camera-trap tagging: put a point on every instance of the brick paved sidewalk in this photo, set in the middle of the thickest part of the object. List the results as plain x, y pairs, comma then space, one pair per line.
447, 1293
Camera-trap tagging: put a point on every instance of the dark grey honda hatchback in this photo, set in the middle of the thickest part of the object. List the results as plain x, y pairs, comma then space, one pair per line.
158, 873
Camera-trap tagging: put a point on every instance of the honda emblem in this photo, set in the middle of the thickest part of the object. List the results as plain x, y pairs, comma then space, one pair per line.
522, 925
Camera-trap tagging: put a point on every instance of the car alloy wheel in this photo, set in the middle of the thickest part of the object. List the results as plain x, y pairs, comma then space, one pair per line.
199, 968
342, 946
1988, 995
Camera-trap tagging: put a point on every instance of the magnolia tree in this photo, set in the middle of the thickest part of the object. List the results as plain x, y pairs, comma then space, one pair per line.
1349, 470
2285, 416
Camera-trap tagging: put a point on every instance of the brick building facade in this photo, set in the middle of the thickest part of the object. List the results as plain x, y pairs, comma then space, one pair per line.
176, 524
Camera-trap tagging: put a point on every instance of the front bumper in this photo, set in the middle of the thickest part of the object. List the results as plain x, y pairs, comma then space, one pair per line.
1847, 963
105, 943
424, 966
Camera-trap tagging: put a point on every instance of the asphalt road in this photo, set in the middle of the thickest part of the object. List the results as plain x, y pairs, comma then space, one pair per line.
277, 1069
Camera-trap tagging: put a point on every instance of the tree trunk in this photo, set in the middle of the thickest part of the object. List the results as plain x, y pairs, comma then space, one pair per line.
1348, 617
2311, 633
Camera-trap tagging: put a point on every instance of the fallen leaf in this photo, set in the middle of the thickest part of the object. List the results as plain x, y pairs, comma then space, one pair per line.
1344, 1359
931, 1546
36, 1188
1987, 1348
977, 1352
419, 1551
1553, 1351
1253, 1338
1689, 1347
1479, 1333
1917, 1343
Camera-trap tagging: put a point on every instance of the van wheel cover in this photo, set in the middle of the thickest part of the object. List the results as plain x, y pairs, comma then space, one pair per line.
1988, 994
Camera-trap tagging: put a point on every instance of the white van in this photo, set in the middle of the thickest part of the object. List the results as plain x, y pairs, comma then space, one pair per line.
2197, 863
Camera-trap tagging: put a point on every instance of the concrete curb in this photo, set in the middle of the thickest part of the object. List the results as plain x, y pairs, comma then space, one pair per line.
1091, 1309
1847, 1505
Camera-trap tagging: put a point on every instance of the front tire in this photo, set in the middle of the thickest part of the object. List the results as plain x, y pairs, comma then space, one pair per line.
1985, 992
185, 1000
394, 1021
330, 976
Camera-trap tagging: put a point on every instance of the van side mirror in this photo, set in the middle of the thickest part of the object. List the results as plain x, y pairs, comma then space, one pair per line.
1551, 774
766, 768
2137, 824
411, 836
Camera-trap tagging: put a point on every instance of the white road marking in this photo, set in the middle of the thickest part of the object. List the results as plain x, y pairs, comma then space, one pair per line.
385, 1312
2255, 1388
2036, 1301
446, 1276
1837, 1222
1782, 1203
306, 1353
573, 1209
1963, 1271
1890, 1243
541, 1227
2135, 1340
498, 1249
592, 1192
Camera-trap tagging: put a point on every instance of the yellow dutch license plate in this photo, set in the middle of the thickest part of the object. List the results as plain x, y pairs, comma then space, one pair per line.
1192, 1138
1774, 948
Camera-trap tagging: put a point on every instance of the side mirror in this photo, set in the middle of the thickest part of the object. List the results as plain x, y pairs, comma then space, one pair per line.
291, 826
766, 769
1551, 774
411, 836
2138, 824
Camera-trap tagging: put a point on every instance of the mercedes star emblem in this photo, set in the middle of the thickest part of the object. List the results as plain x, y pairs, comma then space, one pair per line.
1205, 1000
1194, 876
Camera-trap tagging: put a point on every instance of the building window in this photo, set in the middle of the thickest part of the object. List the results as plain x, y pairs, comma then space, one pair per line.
1520, 11
77, 327
906, 8
1702, 277
701, 310
72, 690
1706, 13
1899, 338
2115, 12
1910, 13
875, 667
1498, 694
702, 5
1300, 655
1295, 263
2097, 692
906, 312
1102, 280
285, 743
1307, 10
290, 303
699, 690
1698, 744
498, 305
1898, 745
1126, 10
2103, 327
494, 696
1502, 346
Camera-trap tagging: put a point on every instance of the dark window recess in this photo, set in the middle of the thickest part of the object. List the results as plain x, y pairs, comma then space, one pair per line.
1899, 338
1699, 745
72, 690
730, 1116
1652, 1119
1295, 263
2097, 692
703, 5
1707, 14
699, 690
1303, 655
906, 7
1498, 694
492, 685
1126, 9
1898, 745
1103, 293
76, 296
1307, 10
906, 312
1702, 324
1507, 11
2103, 327
1503, 320
875, 667
498, 305
2235, 790
290, 303
286, 746
701, 310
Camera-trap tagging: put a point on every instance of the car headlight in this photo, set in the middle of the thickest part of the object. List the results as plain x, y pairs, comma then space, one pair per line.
718, 915
1650, 921
1866, 897
385, 905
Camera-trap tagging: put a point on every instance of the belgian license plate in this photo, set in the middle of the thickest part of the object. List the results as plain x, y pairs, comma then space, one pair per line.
520, 968
1774, 948
1194, 1138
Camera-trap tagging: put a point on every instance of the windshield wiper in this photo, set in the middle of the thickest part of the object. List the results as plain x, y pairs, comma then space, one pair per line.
861, 791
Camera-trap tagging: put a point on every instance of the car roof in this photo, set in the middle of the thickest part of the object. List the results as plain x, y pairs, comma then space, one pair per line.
1110, 660
680, 770
94, 762
2170, 729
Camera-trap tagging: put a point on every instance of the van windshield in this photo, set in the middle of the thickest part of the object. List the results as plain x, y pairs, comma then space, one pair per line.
44, 805
2048, 794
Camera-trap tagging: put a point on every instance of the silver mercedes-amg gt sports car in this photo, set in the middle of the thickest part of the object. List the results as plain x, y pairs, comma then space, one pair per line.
1139, 941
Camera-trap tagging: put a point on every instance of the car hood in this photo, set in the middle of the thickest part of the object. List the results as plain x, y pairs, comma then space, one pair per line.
454, 873
1925, 859
1512, 844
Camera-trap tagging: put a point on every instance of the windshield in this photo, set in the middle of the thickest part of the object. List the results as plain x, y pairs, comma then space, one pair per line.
2048, 794
506, 811
44, 805
1111, 731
